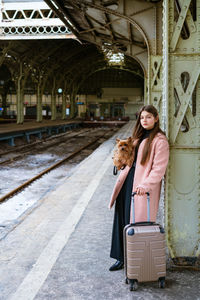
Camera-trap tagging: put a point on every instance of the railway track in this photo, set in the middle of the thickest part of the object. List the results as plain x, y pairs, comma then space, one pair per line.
44, 140
52, 167
27, 148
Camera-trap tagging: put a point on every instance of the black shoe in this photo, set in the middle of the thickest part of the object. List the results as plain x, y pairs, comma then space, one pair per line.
117, 266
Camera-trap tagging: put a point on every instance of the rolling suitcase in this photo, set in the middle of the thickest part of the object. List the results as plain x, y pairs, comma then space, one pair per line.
144, 251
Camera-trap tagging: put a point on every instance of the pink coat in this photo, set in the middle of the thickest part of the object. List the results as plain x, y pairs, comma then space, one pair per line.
148, 176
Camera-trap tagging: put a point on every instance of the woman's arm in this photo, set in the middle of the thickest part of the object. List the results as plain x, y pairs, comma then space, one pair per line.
158, 169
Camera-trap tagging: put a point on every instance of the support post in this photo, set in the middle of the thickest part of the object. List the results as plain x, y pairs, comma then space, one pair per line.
155, 82
53, 100
72, 105
73, 102
20, 97
39, 102
64, 96
181, 92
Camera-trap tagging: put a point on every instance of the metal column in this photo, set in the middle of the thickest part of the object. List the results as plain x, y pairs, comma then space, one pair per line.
181, 79
39, 102
64, 96
20, 97
53, 101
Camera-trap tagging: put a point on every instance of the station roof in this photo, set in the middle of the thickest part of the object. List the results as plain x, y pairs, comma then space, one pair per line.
67, 61
98, 22
100, 28
110, 24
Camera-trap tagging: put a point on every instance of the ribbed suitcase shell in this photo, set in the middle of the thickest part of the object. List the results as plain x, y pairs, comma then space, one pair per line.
144, 250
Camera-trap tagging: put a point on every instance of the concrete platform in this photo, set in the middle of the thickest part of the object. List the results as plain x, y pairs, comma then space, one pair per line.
30, 125
61, 250
9, 132
112, 123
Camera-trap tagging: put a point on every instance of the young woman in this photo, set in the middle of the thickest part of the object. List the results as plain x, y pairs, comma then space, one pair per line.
150, 161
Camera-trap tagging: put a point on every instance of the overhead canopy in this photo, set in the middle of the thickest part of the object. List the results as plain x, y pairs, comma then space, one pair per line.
68, 62
101, 27
111, 24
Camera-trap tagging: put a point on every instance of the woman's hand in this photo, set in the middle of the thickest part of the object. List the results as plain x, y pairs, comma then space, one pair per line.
140, 191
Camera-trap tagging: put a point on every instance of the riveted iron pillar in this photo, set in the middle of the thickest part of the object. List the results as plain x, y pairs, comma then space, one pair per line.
155, 85
181, 94
53, 101
20, 97
39, 103
73, 107
64, 96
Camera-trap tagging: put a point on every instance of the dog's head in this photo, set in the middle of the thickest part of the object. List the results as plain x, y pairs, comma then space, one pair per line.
125, 145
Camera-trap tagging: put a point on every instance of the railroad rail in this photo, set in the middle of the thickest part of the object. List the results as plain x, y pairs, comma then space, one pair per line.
46, 139
59, 163
27, 147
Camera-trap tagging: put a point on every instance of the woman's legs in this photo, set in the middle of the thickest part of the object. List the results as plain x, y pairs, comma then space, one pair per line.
117, 232
121, 218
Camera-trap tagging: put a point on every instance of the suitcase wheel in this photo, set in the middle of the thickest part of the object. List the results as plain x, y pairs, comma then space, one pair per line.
161, 283
134, 285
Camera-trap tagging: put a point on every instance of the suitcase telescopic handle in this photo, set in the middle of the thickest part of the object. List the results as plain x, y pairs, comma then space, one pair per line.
148, 207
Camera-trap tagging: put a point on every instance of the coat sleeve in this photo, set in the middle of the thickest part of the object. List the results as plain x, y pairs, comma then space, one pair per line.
118, 185
160, 161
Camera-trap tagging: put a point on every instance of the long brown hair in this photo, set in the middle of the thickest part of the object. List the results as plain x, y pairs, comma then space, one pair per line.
139, 131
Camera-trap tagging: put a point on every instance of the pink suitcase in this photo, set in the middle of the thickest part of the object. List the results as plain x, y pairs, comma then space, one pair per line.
144, 251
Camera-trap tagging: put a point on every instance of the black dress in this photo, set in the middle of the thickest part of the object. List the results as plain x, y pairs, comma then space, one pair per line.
122, 210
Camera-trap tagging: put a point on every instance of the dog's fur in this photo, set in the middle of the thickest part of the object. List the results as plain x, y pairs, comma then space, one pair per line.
123, 155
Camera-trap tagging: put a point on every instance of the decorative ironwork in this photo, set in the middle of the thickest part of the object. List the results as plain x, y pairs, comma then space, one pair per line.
30, 20
34, 30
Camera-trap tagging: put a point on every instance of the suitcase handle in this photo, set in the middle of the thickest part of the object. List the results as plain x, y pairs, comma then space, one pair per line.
144, 223
148, 209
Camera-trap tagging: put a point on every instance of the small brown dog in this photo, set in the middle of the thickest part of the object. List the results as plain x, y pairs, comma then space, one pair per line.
123, 155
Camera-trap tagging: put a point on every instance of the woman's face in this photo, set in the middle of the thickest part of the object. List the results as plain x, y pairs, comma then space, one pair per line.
147, 120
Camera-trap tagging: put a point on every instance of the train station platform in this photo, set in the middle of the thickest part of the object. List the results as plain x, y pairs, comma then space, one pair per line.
10, 131
61, 249
32, 124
